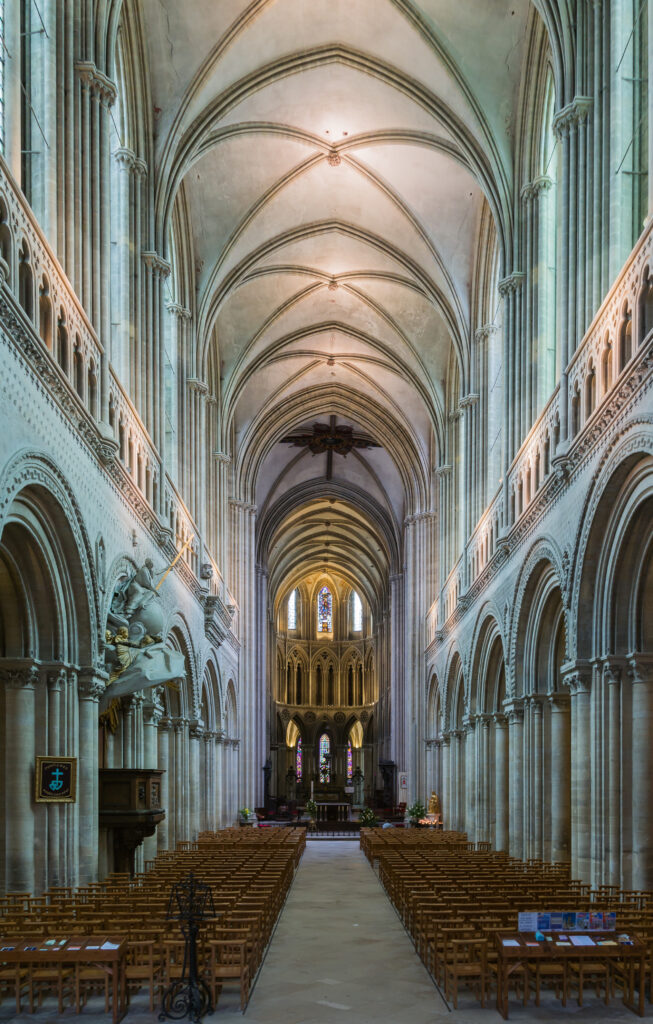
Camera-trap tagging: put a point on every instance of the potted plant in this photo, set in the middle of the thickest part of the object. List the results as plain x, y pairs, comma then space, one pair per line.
311, 810
367, 818
416, 812
245, 815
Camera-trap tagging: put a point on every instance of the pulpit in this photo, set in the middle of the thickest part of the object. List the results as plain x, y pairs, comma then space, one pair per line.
130, 806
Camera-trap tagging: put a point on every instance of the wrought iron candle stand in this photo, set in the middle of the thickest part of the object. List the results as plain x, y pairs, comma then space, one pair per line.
190, 903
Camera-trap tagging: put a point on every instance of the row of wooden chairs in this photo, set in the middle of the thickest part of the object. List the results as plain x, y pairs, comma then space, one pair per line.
453, 898
249, 875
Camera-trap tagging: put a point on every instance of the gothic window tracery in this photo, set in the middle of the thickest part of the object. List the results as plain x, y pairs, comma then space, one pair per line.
325, 758
325, 611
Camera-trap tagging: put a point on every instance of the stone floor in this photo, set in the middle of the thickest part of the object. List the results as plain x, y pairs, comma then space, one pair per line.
340, 954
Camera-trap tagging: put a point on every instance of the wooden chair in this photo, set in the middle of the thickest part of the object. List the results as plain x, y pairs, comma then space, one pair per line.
228, 962
468, 963
599, 974
143, 968
46, 979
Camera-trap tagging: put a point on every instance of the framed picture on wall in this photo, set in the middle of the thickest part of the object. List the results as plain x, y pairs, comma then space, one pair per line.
403, 780
55, 780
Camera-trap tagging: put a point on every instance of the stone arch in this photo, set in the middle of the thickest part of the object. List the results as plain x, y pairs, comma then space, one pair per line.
544, 551
32, 481
231, 710
178, 636
612, 520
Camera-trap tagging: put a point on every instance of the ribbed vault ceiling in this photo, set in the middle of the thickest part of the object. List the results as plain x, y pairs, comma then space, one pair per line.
333, 158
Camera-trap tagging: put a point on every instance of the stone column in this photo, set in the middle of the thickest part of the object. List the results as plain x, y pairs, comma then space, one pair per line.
484, 802
90, 687
640, 670
445, 784
163, 738
613, 677
152, 714
515, 715
560, 778
501, 804
469, 809
577, 677
20, 680
128, 709
56, 683
194, 782
219, 781
536, 832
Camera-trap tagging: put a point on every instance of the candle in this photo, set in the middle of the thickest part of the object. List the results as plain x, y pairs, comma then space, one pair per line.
312, 784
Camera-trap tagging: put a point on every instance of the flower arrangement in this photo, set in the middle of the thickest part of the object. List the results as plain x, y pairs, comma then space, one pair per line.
416, 811
244, 812
367, 818
311, 808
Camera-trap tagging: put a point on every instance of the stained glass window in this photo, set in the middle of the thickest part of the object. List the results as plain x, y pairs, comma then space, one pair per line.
350, 762
325, 758
324, 611
292, 610
298, 758
356, 612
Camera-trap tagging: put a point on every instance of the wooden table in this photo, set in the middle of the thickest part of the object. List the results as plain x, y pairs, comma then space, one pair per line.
512, 957
84, 949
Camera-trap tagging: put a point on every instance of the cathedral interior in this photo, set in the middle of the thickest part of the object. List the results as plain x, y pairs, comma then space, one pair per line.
326, 432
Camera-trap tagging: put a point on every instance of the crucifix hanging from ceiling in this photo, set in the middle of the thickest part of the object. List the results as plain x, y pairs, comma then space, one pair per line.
330, 438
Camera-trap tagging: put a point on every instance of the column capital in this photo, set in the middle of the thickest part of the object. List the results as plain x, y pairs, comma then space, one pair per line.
469, 723
640, 667
613, 670
484, 719
485, 331
17, 676
467, 401
511, 283
200, 387
156, 265
97, 83
56, 679
165, 725
91, 684
443, 471
577, 675
569, 117
559, 701
513, 709
499, 720
456, 734
181, 312
222, 457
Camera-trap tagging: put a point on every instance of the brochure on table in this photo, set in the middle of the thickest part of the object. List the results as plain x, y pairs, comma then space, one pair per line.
567, 921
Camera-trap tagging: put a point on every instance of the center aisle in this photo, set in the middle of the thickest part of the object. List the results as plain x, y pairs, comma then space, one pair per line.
340, 952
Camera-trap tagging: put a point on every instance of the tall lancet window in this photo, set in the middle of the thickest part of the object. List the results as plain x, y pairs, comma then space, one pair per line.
298, 759
324, 611
356, 612
350, 761
325, 758
292, 610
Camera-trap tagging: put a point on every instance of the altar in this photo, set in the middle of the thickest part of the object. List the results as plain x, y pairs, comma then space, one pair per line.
331, 810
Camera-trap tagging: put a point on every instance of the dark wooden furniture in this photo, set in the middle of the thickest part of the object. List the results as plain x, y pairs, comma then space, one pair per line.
130, 805
523, 955
29, 953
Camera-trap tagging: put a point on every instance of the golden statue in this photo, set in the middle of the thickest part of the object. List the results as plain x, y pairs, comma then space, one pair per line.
434, 804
